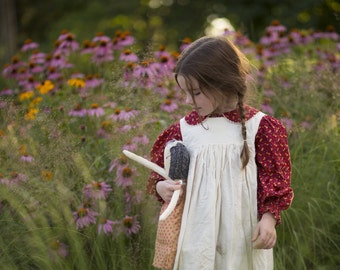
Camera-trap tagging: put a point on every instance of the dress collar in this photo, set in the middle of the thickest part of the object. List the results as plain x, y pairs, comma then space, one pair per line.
193, 118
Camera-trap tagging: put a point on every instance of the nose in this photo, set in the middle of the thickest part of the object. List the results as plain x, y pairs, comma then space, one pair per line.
188, 99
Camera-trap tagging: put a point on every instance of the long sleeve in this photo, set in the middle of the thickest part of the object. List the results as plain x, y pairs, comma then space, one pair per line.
274, 168
157, 155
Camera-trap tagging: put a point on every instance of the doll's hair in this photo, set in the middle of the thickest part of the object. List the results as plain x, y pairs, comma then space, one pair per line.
220, 70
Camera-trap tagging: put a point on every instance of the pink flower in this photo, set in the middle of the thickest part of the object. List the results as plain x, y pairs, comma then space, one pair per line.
105, 226
131, 225
161, 89
169, 106
102, 53
38, 57
58, 249
119, 163
128, 56
100, 37
29, 45
121, 40
95, 110
59, 61
78, 111
130, 146
266, 108
93, 81
124, 177
142, 139
288, 123
66, 43
97, 190
14, 179
27, 158
7, 92
123, 115
84, 217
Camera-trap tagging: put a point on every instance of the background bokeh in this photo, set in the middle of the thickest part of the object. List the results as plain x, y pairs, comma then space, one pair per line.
153, 21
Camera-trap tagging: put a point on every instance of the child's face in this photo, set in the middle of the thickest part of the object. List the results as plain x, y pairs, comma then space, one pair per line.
202, 103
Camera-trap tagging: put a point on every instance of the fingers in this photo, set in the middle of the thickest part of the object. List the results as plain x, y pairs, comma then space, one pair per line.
264, 241
264, 236
166, 189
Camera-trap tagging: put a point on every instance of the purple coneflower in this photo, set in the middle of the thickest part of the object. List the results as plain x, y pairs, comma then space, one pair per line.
130, 146
35, 68
97, 190
105, 226
127, 114
288, 122
131, 225
93, 81
66, 44
6, 92
38, 57
124, 177
29, 45
27, 158
169, 106
14, 179
95, 110
119, 163
161, 89
102, 53
121, 40
142, 139
59, 61
88, 47
128, 56
185, 43
100, 37
78, 111
53, 74
145, 70
58, 249
84, 217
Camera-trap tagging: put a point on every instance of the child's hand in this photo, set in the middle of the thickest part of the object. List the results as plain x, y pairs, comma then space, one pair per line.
166, 188
264, 236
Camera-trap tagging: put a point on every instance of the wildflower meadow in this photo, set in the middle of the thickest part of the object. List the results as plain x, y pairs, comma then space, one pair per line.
69, 199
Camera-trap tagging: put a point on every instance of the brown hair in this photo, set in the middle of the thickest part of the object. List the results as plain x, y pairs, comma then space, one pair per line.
220, 69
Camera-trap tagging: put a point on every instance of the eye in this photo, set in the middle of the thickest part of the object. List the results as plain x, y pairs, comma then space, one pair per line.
196, 93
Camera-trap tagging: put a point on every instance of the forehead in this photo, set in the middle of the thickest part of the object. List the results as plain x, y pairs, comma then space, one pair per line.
187, 83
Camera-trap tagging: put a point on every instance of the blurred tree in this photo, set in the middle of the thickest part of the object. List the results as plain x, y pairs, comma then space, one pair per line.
155, 22
8, 37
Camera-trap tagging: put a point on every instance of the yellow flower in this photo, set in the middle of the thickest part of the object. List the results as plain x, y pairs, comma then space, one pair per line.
79, 83
35, 102
45, 87
26, 95
46, 175
23, 150
30, 115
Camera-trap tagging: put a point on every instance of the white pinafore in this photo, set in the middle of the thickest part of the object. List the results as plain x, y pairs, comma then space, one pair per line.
220, 211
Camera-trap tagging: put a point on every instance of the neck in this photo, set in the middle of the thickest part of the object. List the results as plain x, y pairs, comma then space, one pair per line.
228, 107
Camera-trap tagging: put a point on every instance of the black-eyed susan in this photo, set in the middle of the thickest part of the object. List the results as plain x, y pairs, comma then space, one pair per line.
45, 87
31, 113
46, 175
26, 95
76, 82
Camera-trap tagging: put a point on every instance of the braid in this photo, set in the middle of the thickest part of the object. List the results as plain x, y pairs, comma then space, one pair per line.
245, 151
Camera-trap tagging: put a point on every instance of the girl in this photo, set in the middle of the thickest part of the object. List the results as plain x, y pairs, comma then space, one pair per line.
240, 170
